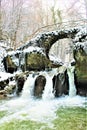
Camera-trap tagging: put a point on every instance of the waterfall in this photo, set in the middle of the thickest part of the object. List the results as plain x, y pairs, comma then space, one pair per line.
43, 111
28, 86
72, 87
48, 91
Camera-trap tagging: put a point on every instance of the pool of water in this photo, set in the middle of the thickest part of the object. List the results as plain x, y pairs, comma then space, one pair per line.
43, 114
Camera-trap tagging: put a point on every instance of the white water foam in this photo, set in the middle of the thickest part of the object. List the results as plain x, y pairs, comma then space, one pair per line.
72, 87
37, 110
48, 91
28, 108
28, 86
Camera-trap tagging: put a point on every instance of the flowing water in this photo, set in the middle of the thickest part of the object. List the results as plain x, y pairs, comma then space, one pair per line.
42, 110
72, 87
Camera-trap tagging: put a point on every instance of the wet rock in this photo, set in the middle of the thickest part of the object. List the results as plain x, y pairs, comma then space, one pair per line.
3, 94
81, 88
20, 80
39, 85
60, 84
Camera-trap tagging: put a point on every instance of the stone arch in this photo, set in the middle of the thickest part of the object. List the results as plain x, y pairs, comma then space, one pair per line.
47, 39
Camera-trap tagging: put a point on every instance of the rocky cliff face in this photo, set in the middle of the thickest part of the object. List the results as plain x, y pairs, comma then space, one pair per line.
80, 55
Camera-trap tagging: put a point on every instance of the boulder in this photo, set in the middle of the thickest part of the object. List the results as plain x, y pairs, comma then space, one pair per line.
60, 83
3, 94
20, 80
11, 61
39, 85
37, 61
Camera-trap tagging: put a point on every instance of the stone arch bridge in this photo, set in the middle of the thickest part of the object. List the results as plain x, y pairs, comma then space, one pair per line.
34, 55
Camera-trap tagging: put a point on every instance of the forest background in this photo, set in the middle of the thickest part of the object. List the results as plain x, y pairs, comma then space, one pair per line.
21, 20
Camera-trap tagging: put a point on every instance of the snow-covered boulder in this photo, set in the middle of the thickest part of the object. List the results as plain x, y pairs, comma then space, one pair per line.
2, 54
32, 58
11, 61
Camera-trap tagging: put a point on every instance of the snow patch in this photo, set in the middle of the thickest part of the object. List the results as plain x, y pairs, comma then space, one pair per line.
4, 76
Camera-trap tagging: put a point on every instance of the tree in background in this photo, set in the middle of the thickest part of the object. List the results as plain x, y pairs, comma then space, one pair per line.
20, 19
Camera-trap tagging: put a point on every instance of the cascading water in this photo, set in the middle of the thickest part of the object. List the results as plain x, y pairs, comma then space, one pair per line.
28, 86
40, 110
72, 87
48, 92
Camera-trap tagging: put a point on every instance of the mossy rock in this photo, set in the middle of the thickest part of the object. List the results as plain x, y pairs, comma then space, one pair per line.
36, 61
9, 65
81, 65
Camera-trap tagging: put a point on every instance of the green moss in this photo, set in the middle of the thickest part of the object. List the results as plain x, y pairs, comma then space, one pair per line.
71, 119
37, 61
81, 64
10, 62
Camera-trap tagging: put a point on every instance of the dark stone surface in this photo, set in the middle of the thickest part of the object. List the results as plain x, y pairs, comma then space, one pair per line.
20, 80
80, 55
9, 66
60, 84
81, 87
39, 85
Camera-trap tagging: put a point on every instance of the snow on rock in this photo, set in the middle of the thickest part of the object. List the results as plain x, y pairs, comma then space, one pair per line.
2, 54
14, 55
35, 49
82, 45
81, 35
42, 43
45, 37
4, 76
55, 60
